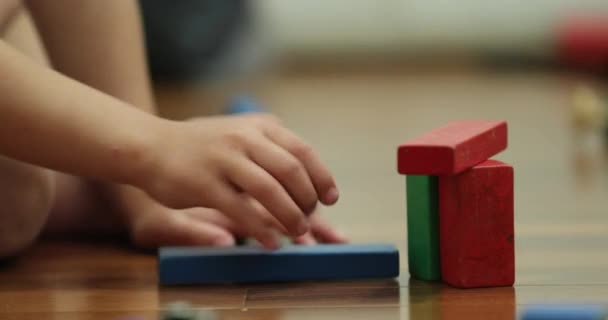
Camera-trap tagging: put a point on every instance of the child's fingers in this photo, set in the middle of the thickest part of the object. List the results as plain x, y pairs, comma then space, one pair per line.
215, 217
241, 209
306, 239
192, 232
319, 174
222, 220
179, 230
288, 170
324, 232
258, 183
267, 218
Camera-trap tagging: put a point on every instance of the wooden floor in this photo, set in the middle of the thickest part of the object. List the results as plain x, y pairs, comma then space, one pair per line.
356, 121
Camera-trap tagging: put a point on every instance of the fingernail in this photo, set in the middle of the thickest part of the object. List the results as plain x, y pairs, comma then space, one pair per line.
272, 244
223, 241
331, 196
341, 235
307, 241
270, 241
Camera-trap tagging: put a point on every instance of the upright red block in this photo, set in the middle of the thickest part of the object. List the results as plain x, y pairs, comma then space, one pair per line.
453, 148
476, 226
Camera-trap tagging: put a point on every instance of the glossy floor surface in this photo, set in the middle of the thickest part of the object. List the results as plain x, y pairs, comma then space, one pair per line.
356, 121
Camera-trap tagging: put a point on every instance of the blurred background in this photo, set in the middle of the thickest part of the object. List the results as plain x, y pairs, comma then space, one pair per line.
356, 78
215, 39
237, 45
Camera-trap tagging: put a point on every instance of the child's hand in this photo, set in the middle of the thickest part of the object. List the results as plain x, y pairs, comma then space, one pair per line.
160, 226
252, 169
320, 232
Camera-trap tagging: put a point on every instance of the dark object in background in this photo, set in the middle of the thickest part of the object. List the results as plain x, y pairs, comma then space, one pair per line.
184, 38
580, 45
518, 61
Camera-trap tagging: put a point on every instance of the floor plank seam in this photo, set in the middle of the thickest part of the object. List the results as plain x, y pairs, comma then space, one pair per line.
245, 297
337, 306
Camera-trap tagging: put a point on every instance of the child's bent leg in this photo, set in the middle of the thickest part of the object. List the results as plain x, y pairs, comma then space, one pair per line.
26, 197
81, 209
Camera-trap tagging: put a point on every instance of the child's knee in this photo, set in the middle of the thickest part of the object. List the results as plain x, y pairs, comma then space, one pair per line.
26, 198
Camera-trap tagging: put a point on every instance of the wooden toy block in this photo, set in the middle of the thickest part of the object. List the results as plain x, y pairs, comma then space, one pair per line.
247, 264
423, 227
564, 312
476, 226
453, 148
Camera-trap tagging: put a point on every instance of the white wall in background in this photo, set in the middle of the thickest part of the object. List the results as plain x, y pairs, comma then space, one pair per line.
318, 26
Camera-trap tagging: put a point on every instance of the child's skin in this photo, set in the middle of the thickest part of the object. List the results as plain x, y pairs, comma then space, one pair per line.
200, 182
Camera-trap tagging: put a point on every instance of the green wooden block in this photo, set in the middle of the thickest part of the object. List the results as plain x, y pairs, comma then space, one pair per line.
423, 227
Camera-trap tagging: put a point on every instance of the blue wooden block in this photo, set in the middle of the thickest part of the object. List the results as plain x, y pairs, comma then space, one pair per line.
564, 312
247, 264
243, 104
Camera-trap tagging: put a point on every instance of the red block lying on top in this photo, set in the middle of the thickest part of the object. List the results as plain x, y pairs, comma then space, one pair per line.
453, 148
476, 226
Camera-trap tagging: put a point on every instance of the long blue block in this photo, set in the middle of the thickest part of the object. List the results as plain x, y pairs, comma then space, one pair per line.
247, 264
564, 312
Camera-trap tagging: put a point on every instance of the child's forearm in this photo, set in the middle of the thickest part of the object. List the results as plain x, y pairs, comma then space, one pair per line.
109, 57
50, 120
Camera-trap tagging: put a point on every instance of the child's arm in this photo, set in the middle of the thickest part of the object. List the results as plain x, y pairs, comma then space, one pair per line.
100, 43
233, 165
53, 121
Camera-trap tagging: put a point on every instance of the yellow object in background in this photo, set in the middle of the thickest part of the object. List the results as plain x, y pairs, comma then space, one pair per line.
589, 110
589, 119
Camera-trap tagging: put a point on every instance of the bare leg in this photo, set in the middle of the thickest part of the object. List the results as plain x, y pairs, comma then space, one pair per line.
26, 198
80, 209
26, 192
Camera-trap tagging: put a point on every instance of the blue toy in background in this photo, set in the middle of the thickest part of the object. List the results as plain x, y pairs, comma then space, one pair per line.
243, 104
564, 312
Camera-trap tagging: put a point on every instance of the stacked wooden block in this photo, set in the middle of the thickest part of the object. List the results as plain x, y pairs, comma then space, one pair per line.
460, 205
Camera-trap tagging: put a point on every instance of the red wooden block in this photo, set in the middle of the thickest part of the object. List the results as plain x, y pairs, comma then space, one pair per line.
453, 148
476, 226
